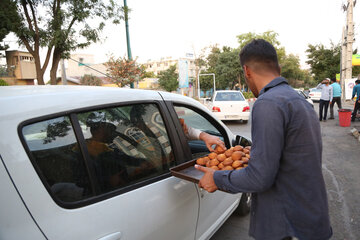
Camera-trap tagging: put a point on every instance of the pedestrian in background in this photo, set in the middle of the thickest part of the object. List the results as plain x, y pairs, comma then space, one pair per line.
336, 97
356, 91
284, 174
325, 99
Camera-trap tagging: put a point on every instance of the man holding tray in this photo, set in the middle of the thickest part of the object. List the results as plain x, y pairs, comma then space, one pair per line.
284, 174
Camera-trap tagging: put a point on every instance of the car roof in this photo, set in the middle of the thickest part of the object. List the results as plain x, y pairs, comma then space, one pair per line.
227, 91
36, 101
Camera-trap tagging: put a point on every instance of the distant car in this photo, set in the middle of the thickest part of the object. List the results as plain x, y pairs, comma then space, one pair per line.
301, 92
229, 105
315, 94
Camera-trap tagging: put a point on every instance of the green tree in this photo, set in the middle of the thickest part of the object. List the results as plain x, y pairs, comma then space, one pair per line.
3, 83
145, 74
60, 26
324, 62
168, 79
90, 80
123, 71
228, 69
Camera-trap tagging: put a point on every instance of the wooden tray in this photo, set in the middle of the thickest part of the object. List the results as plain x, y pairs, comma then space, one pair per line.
187, 171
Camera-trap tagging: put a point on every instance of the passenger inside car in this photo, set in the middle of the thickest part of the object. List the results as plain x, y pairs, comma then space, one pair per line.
114, 167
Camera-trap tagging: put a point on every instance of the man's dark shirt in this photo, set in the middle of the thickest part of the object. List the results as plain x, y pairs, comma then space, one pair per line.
284, 172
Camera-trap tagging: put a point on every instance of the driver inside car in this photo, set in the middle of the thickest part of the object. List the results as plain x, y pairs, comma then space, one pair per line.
111, 164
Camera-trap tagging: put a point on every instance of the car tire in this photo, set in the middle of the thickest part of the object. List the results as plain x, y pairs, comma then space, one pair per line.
244, 206
244, 121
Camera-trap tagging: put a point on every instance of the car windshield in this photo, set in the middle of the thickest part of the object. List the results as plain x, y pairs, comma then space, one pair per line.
229, 96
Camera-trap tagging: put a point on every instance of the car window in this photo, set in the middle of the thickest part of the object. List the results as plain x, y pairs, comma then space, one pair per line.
52, 144
229, 96
125, 145
126, 148
196, 121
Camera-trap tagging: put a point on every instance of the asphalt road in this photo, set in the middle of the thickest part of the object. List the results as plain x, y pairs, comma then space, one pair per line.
341, 168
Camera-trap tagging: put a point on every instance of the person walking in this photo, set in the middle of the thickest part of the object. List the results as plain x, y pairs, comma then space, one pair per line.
356, 91
284, 174
336, 97
325, 99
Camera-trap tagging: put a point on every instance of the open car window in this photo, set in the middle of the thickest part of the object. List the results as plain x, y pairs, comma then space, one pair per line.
196, 121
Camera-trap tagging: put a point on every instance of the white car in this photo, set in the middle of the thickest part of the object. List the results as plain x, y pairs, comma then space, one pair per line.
229, 105
93, 163
308, 99
315, 94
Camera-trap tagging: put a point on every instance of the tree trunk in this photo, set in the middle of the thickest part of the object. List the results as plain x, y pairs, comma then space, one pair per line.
39, 71
54, 66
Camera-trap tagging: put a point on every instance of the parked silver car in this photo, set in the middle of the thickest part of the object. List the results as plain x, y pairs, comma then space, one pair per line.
93, 163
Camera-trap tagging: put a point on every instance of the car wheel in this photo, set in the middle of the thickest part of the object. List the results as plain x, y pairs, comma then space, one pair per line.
244, 121
244, 205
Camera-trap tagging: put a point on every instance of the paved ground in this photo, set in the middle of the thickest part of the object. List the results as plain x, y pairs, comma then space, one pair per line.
341, 168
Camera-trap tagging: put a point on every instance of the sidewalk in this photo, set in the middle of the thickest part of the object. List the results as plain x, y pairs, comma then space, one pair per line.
341, 167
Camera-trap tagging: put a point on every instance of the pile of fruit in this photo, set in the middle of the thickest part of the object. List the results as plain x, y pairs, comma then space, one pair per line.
234, 158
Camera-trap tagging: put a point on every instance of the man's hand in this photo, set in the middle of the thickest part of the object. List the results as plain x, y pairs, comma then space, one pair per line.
183, 125
211, 140
207, 181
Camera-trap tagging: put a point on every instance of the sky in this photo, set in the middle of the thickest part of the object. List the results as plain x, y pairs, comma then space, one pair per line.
172, 28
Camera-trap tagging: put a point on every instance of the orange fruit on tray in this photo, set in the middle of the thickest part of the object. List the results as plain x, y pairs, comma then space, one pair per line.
212, 155
221, 157
219, 149
236, 157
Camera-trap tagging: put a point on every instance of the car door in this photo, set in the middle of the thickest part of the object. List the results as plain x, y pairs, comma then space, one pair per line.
214, 207
118, 187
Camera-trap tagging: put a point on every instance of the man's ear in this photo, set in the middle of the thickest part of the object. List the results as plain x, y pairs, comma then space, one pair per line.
247, 71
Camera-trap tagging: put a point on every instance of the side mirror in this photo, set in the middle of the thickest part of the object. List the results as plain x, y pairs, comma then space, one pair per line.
240, 140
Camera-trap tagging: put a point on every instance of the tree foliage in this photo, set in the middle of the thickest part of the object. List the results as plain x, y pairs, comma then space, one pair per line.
123, 71
61, 26
168, 79
324, 62
145, 74
90, 80
3, 83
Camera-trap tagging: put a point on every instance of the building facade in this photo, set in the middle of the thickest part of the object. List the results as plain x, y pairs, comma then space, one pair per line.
156, 66
21, 68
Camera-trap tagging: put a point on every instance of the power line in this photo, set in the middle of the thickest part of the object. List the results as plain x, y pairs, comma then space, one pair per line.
93, 69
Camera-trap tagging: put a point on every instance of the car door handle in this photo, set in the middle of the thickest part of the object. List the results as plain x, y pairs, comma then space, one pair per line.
202, 192
112, 236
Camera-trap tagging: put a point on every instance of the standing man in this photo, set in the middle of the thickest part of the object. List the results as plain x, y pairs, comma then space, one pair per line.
356, 91
284, 174
325, 99
336, 97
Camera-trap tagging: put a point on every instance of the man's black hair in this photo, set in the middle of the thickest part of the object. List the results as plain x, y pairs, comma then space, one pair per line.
357, 81
333, 79
261, 55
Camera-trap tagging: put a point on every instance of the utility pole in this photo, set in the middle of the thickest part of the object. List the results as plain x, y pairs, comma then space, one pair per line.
342, 64
126, 10
63, 72
348, 41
